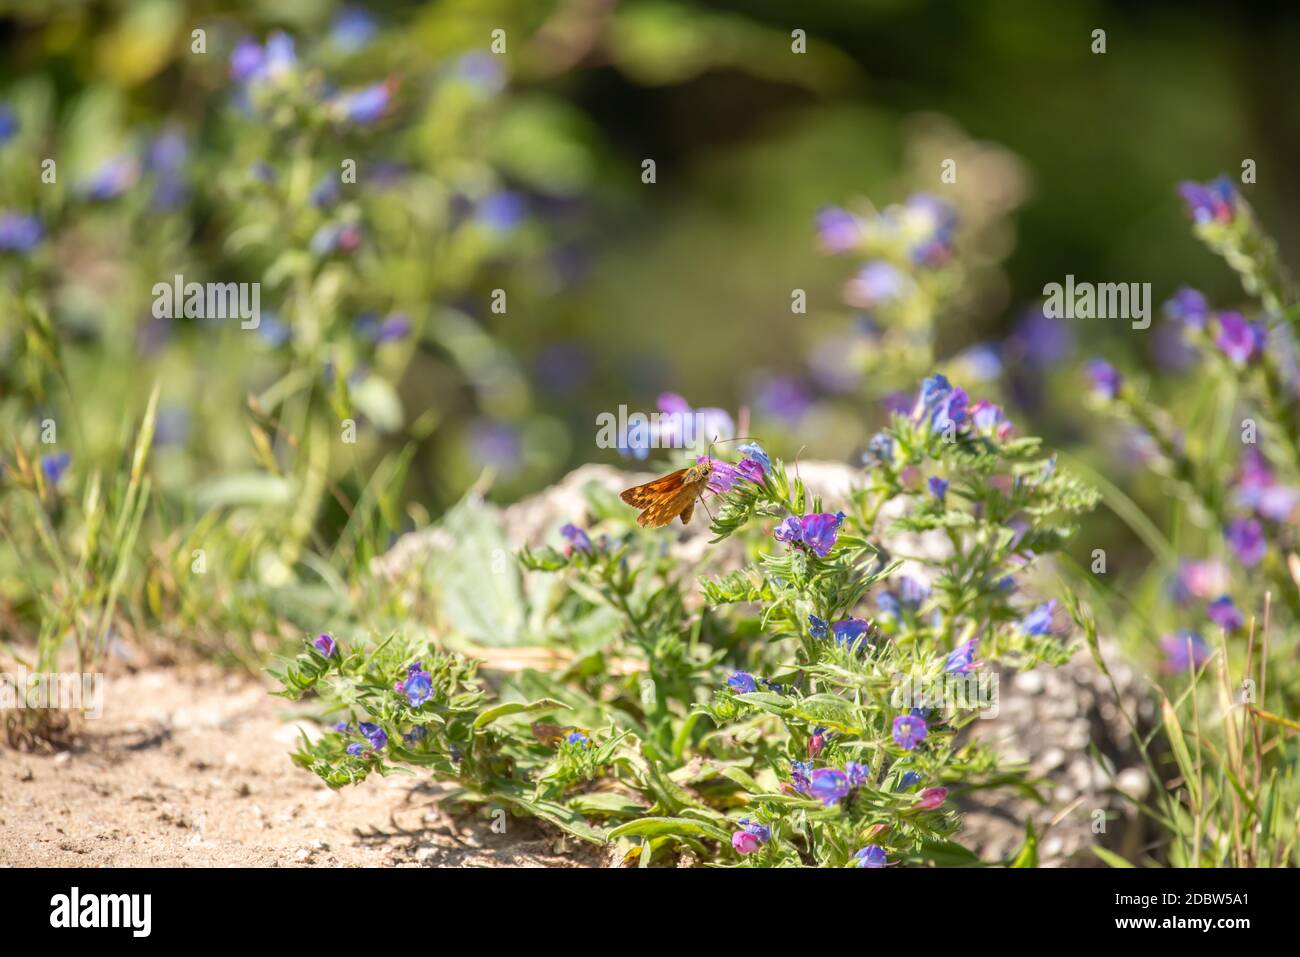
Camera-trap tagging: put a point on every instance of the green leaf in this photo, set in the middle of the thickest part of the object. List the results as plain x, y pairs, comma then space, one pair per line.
515, 707
1110, 857
1027, 856
475, 577
669, 826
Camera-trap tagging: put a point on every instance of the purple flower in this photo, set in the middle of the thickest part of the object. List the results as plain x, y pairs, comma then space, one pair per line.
743, 842
501, 211
280, 56
1256, 488
373, 733
764, 834
877, 283
790, 530
1199, 579
353, 29
880, 450
418, 685
577, 738
754, 452
1039, 341
1188, 306
939, 403
800, 772
111, 179
325, 644
577, 538
1225, 614
910, 779
838, 230
497, 444
873, 855
742, 682
246, 60
988, 420
783, 398
820, 531
1211, 202
19, 233
8, 124
909, 731
818, 627
962, 659
857, 773
1239, 339
1184, 651
931, 222
1246, 537
939, 489
482, 71
356, 748
366, 105
54, 466
1105, 378
850, 632
750, 469
829, 785
1039, 621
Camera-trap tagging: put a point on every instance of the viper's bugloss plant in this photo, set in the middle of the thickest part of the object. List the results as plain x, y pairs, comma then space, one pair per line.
1221, 633
814, 707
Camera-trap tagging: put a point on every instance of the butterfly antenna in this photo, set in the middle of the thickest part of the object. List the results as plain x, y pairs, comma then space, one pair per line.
796, 462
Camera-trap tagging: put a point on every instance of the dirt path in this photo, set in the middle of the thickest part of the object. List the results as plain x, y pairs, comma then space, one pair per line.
191, 768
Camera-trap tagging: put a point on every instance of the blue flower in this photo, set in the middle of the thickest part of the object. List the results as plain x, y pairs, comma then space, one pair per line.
857, 773
501, 211
910, 779
909, 731
817, 627
755, 451
1105, 378
366, 105
419, 685
1225, 614
54, 466
742, 682
577, 738
1188, 306
353, 29
1211, 202
962, 659
800, 775
19, 233
577, 538
880, 450
1039, 621
939, 489
8, 124
850, 631
325, 644
376, 735
828, 785
356, 748
873, 855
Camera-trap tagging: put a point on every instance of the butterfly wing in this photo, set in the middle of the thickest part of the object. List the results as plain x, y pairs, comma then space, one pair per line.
641, 496
687, 512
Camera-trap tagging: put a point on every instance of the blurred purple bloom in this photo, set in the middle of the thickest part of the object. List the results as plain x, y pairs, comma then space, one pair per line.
1199, 579
19, 233
325, 644
1039, 340
576, 538
1184, 651
1188, 306
799, 775
817, 627
8, 123
577, 738
356, 748
246, 60
744, 842
1246, 537
938, 488
54, 466
113, 178
783, 398
939, 403
1040, 620
1239, 339
1105, 378
353, 29
838, 230
754, 451
1225, 614
878, 282
1211, 202
857, 773
988, 420
880, 450
909, 731
376, 735
482, 71
366, 105
496, 444
501, 211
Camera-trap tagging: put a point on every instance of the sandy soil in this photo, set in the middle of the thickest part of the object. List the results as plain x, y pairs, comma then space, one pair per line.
191, 769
